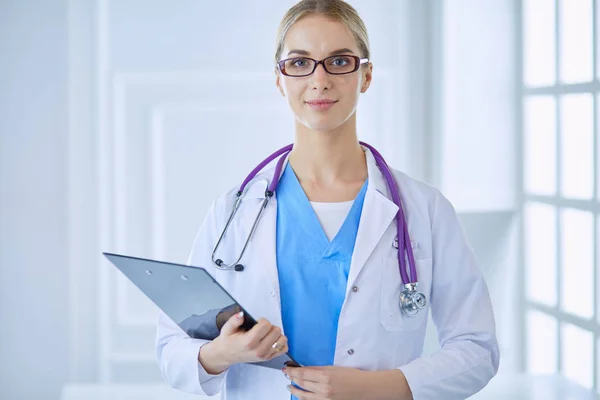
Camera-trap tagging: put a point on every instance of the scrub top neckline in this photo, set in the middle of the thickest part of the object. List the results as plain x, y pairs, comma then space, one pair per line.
332, 204
305, 204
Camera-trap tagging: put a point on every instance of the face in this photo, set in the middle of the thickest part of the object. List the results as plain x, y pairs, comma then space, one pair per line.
318, 37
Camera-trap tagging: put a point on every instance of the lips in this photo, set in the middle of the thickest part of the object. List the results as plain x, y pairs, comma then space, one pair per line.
320, 102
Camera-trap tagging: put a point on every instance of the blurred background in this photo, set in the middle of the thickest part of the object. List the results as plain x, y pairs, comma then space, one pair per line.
120, 121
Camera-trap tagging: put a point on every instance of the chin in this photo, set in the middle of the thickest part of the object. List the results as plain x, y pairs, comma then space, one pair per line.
322, 127
326, 123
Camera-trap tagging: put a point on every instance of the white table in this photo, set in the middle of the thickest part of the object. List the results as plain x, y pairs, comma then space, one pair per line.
126, 392
526, 387
513, 387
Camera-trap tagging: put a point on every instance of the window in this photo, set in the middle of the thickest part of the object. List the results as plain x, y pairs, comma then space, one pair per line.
561, 202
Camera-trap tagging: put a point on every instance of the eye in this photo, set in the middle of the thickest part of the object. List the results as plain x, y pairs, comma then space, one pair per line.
299, 62
340, 61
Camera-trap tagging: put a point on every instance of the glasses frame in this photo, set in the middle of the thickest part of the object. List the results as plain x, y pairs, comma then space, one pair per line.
358, 62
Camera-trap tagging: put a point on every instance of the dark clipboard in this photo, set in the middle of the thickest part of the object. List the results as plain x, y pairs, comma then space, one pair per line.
190, 296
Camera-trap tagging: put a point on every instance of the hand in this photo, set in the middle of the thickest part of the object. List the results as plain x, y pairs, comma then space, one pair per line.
328, 383
235, 345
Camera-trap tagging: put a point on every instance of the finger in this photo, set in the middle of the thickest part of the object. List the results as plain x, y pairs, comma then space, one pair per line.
282, 343
233, 324
313, 387
230, 311
265, 347
255, 338
302, 394
306, 374
257, 333
260, 330
279, 347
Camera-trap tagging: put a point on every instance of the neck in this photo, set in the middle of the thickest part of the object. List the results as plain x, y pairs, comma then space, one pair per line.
328, 157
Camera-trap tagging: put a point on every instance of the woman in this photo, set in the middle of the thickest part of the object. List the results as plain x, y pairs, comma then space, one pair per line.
321, 270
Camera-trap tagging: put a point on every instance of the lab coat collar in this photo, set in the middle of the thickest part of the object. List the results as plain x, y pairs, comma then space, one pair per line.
377, 215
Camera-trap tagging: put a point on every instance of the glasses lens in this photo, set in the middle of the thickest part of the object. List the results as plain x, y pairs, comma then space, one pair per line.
340, 64
299, 66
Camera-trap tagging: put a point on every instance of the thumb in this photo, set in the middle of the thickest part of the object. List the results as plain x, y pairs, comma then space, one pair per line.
232, 325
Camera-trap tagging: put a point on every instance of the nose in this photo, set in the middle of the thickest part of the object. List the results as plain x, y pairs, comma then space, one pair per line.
320, 79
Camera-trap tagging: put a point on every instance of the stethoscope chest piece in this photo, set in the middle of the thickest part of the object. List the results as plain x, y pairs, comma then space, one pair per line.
412, 301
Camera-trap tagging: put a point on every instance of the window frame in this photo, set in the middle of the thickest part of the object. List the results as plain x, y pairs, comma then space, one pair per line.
557, 90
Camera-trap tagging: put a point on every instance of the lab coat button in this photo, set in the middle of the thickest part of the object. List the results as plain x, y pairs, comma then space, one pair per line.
351, 351
272, 293
355, 289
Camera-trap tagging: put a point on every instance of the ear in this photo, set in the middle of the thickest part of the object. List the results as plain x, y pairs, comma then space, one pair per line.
368, 76
278, 82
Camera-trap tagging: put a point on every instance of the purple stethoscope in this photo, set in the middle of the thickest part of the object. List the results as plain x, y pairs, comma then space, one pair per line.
411, 300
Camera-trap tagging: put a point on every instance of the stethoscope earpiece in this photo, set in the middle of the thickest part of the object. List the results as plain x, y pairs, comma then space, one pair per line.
219, 264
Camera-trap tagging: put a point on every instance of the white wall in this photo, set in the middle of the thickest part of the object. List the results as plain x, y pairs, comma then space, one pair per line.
478, 123
33, 192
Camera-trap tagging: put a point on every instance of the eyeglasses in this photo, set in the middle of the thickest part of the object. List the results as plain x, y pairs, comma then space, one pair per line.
335, 65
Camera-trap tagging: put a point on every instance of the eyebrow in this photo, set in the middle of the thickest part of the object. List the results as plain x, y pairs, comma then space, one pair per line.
333, 53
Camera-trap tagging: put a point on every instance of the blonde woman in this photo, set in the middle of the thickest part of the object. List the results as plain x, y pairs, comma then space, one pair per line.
346, 260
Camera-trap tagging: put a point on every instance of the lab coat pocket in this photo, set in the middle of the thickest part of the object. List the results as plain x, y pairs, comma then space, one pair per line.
391, 316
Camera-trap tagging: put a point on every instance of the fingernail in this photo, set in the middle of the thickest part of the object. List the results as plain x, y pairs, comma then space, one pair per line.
240, 315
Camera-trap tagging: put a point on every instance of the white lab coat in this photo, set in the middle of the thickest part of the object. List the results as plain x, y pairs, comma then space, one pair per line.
373, 334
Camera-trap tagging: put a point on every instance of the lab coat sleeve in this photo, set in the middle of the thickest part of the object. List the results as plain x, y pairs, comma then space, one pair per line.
462, 312
176, 352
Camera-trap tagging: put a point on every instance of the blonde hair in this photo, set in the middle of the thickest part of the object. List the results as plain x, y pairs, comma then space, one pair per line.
336, 10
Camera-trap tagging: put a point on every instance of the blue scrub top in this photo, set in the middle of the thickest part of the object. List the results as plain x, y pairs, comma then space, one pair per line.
313, 272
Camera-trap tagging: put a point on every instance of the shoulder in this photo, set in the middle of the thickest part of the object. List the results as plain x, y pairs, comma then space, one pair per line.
414, 186
421, 196
255, 188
